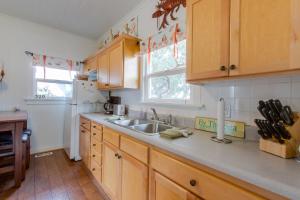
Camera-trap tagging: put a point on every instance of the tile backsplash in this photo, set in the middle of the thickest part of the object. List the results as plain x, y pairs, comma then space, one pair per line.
241, 95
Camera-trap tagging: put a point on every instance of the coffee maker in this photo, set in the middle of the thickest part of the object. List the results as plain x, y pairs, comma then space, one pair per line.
111, 101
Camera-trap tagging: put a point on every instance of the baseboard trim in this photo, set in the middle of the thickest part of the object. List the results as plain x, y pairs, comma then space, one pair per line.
46, 150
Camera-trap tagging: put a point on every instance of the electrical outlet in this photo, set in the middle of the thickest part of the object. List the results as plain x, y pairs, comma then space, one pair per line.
227, 110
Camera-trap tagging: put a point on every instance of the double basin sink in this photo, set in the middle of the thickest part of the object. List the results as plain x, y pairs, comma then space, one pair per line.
147, 127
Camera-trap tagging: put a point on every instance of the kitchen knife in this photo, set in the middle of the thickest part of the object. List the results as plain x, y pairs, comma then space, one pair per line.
282, 130
275, 118
259, 108
274, 132
265, 111
287, 115
278, 105
262, 131
266, 128
272, 107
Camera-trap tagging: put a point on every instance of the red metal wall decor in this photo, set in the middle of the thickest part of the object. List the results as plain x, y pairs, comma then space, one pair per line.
165, 8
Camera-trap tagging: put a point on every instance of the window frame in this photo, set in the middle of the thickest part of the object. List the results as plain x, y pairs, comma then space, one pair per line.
35, 83
180, 69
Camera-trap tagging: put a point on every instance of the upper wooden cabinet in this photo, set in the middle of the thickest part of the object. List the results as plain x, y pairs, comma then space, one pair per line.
242, 37
118, 64
103, 71
207, 39
90, 64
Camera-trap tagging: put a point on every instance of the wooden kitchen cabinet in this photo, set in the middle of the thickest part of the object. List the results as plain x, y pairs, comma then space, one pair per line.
110, 170
207, 39
119, 64
90, 64
134, 178
85, 146
264, 36
103, 71
163, 188
242, 37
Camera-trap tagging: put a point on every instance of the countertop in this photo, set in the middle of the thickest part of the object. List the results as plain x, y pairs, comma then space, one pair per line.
13, 116
241, 159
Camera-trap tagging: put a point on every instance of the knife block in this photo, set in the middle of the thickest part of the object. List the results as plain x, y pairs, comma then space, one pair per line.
290, 148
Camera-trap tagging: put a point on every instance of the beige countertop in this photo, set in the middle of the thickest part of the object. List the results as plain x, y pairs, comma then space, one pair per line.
13, 116
241, 159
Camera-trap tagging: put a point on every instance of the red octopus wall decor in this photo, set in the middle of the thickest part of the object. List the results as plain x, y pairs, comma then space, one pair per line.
165, 8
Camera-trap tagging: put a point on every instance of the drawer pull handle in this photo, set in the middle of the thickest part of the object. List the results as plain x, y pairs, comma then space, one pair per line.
94, 145
94, 126
94, 134
94, 156
223, 68
83, 123
82, 131
232, 67
193, 182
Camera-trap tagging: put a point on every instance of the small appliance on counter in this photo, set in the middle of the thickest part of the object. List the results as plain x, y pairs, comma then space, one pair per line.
109, 105
119, 110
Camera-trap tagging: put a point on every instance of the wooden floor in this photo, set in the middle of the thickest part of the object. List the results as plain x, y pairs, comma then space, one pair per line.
53, 178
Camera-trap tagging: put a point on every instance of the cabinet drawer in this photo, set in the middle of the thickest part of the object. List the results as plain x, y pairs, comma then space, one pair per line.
96, 134
96, 126
111, 136
96, 171
135, 149
197, 181
96, 145
96, 157
85, 123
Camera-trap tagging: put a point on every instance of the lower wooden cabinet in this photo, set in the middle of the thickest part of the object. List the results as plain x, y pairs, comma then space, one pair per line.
163, 189
134, 178
122, 167
85, 146
110, 170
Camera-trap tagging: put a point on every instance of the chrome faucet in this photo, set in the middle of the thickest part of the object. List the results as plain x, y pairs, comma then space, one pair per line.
155, 114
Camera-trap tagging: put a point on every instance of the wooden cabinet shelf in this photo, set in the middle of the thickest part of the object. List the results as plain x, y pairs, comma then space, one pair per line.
242, 38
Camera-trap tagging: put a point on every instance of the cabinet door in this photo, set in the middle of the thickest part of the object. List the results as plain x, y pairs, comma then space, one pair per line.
91, 64
103, 71
110, 170
207, 39
164, 188
264, 36
84, 146
116, 63
134, 179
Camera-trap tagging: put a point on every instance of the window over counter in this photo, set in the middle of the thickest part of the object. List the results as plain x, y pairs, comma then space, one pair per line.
165, 76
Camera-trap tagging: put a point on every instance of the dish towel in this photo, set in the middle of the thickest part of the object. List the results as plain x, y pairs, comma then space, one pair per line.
174, 133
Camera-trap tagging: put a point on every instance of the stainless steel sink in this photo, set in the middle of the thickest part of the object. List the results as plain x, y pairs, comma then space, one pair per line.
130, 122
151, 128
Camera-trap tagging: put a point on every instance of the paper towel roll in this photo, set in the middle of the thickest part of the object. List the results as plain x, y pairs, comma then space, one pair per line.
221, 119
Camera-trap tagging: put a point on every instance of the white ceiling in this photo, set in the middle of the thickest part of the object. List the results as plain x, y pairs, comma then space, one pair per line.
89, 18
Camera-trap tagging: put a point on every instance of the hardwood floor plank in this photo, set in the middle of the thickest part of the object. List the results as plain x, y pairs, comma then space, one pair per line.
53, 177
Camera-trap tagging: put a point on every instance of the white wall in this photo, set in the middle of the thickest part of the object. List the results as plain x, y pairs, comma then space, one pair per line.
242, 95
17, 36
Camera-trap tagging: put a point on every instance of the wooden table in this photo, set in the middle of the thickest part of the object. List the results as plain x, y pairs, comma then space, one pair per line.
15, 122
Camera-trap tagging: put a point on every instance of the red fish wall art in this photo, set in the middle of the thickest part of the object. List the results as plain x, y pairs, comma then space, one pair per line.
165, 8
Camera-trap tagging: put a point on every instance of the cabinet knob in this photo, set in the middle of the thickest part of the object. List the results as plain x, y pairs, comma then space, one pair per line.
94, 126
82, 131
94, 133
116, 155
119, 157
106, 84
232, 67
193, 182
94, 156
94, 145
93, 169
223, 68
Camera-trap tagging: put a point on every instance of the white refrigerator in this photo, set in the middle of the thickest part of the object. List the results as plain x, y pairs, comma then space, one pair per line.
86, 99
